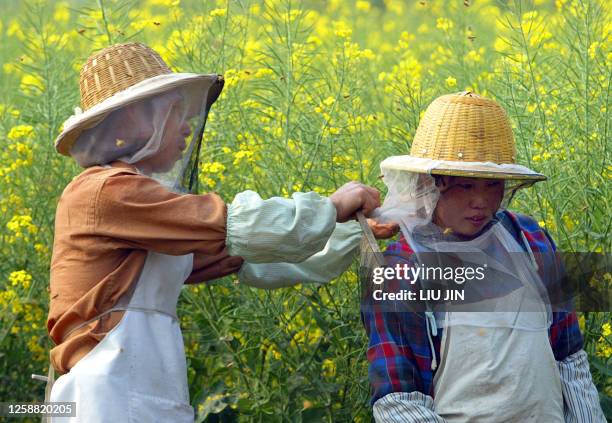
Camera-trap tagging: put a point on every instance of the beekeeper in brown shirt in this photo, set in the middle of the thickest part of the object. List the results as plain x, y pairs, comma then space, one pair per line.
127, 238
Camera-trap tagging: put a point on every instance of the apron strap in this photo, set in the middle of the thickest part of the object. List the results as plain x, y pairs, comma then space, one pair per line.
50, 382
118, 308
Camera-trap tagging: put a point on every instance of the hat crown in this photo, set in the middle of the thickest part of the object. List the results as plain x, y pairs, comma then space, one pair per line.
117, 68
464, 127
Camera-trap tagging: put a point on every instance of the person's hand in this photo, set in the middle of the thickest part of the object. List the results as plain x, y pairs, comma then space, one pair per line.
383, 230
207, 268
352, 197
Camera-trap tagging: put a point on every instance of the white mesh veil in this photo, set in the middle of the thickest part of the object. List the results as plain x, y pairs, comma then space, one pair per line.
511, 294
159, 135
411, 198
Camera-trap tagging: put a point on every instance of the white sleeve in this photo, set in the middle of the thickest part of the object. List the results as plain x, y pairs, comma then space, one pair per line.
278, 229
321, 267
581, 400
406, 407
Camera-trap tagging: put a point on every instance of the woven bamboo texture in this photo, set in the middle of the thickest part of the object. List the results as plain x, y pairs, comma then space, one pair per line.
116, 68
464, 127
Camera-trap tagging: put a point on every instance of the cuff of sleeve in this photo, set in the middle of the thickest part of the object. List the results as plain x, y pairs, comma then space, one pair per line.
580, 395
417, 398
406, 407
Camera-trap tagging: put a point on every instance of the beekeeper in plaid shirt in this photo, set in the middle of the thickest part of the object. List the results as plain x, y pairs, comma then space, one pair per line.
519, 363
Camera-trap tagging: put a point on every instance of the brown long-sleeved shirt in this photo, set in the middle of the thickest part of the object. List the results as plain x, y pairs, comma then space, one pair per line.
107, 219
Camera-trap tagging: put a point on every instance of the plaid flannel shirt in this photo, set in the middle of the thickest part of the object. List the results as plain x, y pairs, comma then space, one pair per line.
399, 353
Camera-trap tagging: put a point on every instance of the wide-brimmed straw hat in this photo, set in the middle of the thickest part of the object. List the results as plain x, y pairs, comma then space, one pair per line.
123, 74
466, 135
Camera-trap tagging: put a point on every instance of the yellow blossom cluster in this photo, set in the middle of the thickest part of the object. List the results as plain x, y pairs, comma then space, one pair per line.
20, 132
212, 173
604, 343
21, 227
20, 278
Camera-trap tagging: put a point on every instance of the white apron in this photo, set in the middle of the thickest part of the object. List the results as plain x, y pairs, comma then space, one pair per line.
497, 375
138, 372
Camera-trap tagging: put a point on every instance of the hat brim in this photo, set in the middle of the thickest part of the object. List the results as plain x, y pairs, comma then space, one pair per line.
484, 170
76, 124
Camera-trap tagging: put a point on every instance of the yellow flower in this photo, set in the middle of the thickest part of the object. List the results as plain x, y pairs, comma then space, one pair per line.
404, 41
342, 30
329, 368
441, 55
329, 101
14, 29
20, 222
606, 329
367, 54
395, 6
37, 351
20, 278
501, 45
531, 107
10, 110
569, 223
62, 12
166, 3
444, 24
423, 28
232, 77
240, 155
213, 167
581, 322
218, 12
364, 6
255, 9
313, 39
41, 248
16, 306
451, 82
603, 349
262, 72
474, 56
31, 84
20, 131
593, 49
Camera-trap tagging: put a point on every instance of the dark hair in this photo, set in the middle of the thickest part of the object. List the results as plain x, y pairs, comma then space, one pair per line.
439, 179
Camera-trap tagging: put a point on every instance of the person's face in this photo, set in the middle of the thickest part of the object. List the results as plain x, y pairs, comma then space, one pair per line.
173, 141
466, 205
176, 130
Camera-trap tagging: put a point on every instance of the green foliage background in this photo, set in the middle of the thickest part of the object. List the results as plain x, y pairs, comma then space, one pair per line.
317, 93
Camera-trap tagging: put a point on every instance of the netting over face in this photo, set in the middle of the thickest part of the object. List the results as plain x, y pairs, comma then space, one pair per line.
511, 294
413, 196
515, 176
153, 134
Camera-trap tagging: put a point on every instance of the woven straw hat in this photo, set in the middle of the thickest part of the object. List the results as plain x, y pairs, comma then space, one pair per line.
464, 134
120, 75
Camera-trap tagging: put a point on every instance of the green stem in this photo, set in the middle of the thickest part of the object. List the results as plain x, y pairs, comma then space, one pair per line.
105, 21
